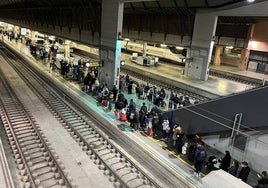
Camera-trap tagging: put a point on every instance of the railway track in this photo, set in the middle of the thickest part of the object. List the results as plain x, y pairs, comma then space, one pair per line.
122, 172
37, 165
237, 78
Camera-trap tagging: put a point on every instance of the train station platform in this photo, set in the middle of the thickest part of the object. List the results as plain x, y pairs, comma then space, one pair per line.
214, 87
160, 149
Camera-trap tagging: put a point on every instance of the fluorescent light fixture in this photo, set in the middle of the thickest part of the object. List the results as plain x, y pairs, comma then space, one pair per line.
229, 47
179, 48
163, 45
250, 1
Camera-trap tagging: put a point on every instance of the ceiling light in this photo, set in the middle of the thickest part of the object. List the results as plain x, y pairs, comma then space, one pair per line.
179, 48
250, 1
229, 47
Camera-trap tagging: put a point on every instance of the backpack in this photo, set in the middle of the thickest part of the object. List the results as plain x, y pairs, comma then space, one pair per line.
201, 156
120, 105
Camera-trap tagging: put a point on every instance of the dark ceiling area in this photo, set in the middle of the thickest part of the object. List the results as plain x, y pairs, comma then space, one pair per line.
165, 16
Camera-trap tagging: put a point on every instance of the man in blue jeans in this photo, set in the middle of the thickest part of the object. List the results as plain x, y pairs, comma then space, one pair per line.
199, 158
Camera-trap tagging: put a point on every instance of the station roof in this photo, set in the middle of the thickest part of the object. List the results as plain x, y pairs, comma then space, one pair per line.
138, 15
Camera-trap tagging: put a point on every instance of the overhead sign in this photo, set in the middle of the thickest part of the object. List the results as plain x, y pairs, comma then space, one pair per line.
94, 64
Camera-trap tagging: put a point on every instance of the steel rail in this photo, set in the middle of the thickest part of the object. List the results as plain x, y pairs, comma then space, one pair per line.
10, 129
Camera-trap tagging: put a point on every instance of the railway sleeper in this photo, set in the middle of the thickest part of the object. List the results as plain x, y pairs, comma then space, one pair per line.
40, 167
17, 127
82, 128
29, 147
25, 131
47, 177
19, 136
38, 160
36, 138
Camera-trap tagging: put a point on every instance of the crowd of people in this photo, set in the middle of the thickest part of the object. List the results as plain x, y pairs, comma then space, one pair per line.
158, 96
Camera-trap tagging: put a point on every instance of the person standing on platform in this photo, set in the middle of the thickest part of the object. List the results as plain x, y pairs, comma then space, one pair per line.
181, 141
155, 121
135, 121
225, 161
176, 132
197, 139
175, 101
115, 91
127, 79
199, 158
131, 117
86, 83
149, 125
244, 172
165, 128
146, 91
233, 168
132, 106
129, 87
142, 115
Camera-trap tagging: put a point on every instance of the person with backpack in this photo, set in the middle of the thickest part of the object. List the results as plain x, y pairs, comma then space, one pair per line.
142, 115
199, 158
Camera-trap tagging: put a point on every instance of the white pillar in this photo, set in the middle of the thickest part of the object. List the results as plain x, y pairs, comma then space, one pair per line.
202, 46
144, 49
110, 50
67, 49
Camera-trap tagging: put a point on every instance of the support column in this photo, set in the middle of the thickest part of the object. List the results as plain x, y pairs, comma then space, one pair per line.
202, 46
110, 49
67, 49
243, 60
217, 56
144, 49
245, 53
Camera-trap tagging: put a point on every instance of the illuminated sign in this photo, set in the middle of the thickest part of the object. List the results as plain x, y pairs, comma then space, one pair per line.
94, 64
23, 31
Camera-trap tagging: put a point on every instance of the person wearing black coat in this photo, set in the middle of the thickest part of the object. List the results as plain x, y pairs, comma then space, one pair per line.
244, 172
263, 180
234, 168
225, 161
